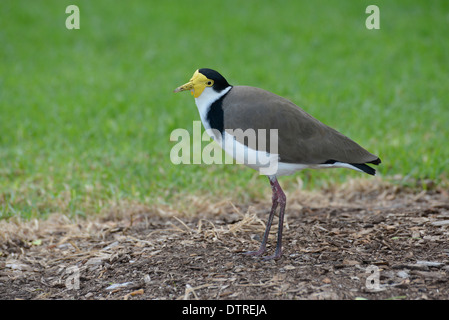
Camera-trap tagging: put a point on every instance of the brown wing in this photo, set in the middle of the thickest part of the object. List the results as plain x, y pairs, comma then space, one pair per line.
302, 138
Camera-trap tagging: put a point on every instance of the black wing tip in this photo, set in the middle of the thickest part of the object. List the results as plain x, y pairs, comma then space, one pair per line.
376, 162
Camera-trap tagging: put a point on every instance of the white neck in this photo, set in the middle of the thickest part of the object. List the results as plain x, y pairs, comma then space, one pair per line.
205, 100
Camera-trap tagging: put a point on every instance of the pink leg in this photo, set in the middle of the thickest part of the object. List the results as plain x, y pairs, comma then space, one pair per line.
278, 199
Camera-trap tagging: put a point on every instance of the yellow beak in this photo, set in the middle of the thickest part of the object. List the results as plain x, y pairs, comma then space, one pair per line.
184, 87
196, 85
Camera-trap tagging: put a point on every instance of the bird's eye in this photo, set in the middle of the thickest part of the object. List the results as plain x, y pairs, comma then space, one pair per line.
209, 83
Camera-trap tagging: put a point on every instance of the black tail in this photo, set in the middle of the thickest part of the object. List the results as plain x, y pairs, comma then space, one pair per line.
365, 168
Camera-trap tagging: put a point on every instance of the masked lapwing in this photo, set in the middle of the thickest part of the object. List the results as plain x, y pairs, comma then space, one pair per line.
299, 141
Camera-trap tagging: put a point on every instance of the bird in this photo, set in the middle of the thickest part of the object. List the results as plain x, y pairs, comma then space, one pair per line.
300, 141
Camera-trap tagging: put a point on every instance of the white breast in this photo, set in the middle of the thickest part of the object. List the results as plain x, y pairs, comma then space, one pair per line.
262, 161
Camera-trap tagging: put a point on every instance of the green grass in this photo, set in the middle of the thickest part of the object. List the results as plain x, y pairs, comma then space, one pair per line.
86, 115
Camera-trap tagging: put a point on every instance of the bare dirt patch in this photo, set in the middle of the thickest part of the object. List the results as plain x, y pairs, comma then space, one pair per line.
333, 239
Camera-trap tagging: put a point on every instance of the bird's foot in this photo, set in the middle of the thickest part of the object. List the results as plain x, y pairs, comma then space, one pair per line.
275, 256
257, 253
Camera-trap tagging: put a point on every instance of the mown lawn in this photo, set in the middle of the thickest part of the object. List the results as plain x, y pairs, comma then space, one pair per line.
86, 115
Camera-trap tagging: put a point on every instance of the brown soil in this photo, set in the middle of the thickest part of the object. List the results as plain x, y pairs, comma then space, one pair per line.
333, 239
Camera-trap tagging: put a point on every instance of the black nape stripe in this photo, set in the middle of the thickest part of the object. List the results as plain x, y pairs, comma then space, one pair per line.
215, 115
